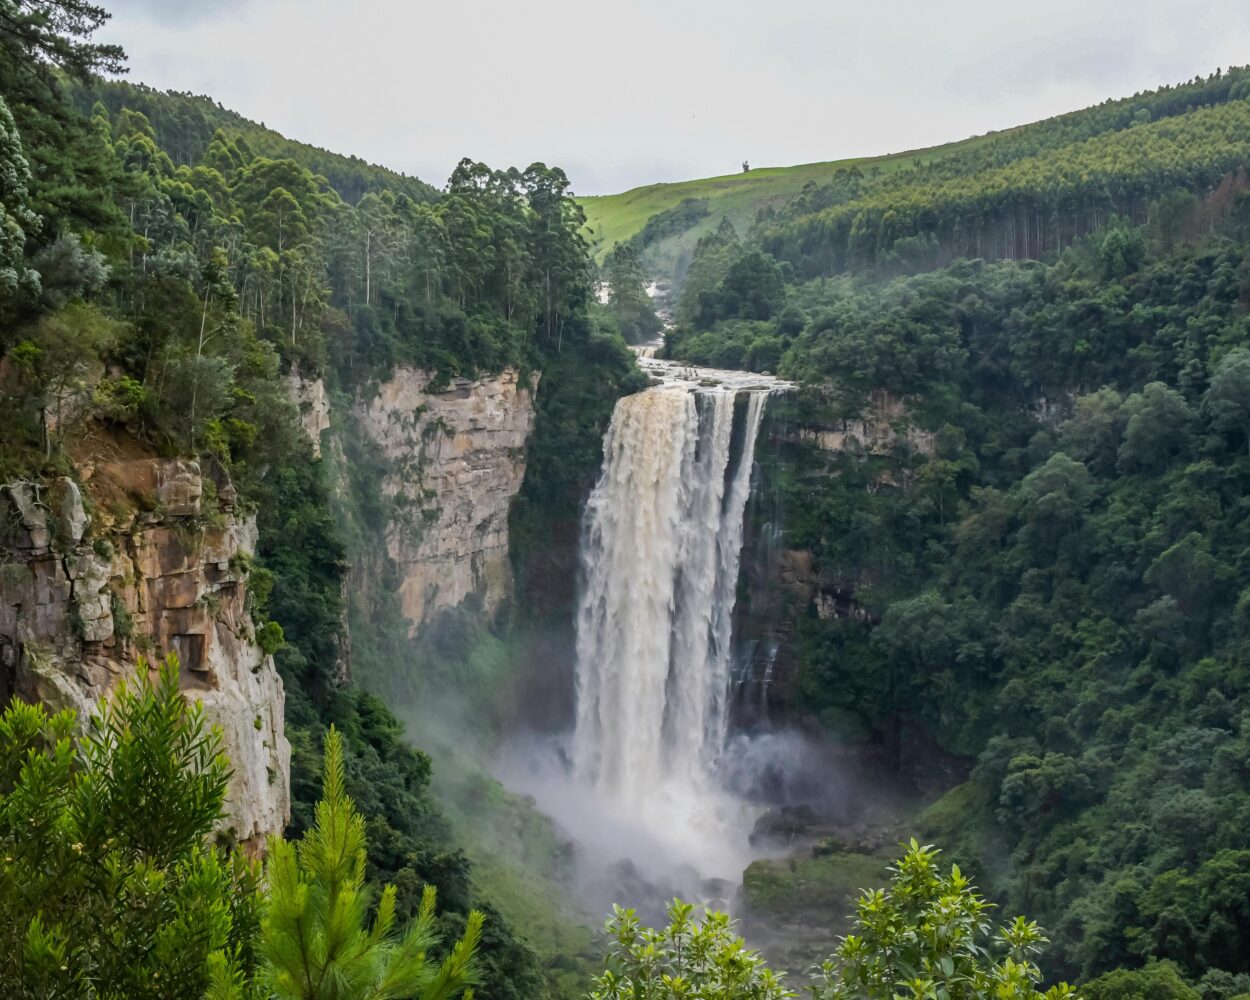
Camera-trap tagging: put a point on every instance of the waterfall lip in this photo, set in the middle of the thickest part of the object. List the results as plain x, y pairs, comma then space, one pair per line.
678, 374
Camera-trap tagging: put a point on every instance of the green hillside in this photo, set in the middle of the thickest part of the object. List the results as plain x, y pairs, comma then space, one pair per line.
838, 215
615, 218
184, 126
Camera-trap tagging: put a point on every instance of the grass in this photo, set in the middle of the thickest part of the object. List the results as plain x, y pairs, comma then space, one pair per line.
962, 823
826, 886
796, 908
739, 197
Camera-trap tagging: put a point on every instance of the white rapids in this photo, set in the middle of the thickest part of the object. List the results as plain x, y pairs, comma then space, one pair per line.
660, 558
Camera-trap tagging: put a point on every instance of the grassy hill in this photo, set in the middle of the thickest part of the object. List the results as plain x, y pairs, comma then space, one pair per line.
1092, 145
615, 218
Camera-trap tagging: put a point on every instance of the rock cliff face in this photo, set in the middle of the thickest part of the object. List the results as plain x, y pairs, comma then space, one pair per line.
147, 557
456, 458
882, 429
783, 584
309, 394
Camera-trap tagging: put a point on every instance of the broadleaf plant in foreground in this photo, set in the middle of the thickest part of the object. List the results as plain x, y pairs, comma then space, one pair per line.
927, 936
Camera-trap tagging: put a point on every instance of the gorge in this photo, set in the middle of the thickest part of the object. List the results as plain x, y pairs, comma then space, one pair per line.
320, 448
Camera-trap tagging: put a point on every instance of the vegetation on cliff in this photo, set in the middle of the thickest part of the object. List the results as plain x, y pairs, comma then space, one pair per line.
1042, 569
165, 265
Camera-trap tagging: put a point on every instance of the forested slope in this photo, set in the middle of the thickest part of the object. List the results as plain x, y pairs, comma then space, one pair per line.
185, 125
1052, 598
164, 264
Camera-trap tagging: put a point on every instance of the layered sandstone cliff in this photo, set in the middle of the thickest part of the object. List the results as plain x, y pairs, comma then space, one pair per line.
455, 459
147, 557
882, 429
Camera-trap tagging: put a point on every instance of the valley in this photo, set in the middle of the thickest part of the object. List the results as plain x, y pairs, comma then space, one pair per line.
489, 560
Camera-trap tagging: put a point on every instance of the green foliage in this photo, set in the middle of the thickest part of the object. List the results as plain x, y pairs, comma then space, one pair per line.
56, 360
110, 887
322, 935
627, 295
928, 935
1157, 981
694, 956
270, 638
195, 129
752, 288
1227, 399
17, 221
1025, 192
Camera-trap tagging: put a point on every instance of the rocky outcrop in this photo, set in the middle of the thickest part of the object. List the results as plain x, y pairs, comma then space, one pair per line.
309, 395
882, 430
148, 557
455, 459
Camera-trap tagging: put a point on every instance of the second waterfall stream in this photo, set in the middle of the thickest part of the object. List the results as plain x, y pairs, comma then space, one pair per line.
662, 539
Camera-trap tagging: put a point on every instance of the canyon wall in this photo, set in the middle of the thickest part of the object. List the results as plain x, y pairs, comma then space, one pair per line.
783, 582
454, 461
142, 557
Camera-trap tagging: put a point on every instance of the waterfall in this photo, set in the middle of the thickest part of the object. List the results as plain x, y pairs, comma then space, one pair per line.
660, 556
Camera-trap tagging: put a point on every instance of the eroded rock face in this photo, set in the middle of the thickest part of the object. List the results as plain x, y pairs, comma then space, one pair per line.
310, 396
147, 573
457, 458
877, 432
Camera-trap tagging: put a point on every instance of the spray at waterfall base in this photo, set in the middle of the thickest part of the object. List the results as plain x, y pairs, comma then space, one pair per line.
658, 796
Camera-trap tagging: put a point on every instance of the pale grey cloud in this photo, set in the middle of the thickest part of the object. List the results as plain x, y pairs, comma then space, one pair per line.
648, 90
185, 12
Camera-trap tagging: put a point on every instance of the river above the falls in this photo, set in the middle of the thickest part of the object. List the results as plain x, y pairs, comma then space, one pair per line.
683, 374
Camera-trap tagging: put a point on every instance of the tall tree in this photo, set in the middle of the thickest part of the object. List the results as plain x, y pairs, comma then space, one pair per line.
317, 940
41, 42
17, 221
627, 295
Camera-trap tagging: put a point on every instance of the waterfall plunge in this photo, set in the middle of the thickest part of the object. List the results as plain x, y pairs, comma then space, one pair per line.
663, 538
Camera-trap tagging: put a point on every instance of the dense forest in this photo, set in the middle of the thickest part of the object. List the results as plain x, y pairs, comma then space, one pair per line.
1049, 574
1025, 192
164, 264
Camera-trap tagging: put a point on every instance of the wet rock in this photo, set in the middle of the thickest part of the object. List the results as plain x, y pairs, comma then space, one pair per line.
784, 825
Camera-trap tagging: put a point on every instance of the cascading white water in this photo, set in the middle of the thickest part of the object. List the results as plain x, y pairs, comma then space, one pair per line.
660, 553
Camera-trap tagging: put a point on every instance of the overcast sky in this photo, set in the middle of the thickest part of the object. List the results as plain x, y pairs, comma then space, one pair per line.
636, 91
